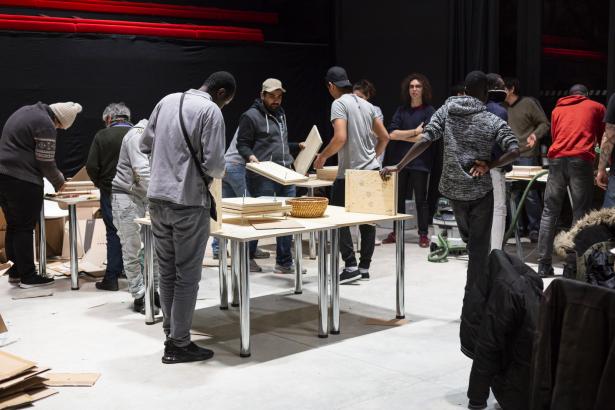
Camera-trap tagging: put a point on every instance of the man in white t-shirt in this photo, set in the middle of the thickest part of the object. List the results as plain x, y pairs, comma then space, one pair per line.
354, 120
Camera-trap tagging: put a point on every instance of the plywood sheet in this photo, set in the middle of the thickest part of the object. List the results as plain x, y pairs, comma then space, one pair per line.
328, 173
11, 365
276, 172
42, 393
259, 211
304, 160
22, 377
71, 379
249, 203
367, 193
82, 175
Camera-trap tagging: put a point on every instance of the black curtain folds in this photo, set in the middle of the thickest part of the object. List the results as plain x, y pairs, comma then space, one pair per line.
473, 38
95, 70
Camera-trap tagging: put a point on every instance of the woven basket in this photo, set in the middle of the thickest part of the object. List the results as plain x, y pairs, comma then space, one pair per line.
308, 207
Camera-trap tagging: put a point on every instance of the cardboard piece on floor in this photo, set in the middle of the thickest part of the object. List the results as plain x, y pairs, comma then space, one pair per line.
304, 160
32, 383
15, 401
3, 327
4, 267
23, 377
71, 379
275, 224
392, 322
11, 365
276, 172
42, 393
367, 193
37, 293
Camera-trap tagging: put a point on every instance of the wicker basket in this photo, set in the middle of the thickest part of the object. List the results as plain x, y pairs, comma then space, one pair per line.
308, 207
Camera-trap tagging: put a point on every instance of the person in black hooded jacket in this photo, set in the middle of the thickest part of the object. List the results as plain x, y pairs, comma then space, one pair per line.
498, 325
262, 135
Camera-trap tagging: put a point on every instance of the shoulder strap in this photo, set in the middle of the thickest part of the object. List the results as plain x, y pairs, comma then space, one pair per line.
206, 178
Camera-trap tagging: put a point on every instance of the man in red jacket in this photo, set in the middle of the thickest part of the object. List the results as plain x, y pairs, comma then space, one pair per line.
576, 125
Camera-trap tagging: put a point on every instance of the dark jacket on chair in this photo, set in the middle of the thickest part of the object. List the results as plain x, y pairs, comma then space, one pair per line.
498, 324
573, 365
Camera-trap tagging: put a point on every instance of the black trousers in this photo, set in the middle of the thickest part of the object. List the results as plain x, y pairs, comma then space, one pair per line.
409, 181
474, 219
21, 203
368, 232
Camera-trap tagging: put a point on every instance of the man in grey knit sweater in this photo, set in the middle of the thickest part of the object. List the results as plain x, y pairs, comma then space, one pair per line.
469, 133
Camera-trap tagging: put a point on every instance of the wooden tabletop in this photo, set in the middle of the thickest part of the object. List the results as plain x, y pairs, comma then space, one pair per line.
83, 200
240, 229
314, 183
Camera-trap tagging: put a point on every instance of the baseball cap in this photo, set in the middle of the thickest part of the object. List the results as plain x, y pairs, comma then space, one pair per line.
272, 84
337, 75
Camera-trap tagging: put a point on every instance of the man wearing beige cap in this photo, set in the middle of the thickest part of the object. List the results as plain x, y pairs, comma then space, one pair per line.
262, 135
27, 154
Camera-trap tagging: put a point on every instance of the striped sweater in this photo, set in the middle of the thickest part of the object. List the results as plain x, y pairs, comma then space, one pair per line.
469, 133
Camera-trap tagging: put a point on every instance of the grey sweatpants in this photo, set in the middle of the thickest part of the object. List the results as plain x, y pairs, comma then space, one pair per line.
180, 235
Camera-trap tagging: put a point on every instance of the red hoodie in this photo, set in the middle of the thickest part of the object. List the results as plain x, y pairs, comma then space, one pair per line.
576, 126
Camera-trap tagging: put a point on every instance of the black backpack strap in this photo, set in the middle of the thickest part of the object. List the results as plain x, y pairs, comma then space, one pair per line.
206, 178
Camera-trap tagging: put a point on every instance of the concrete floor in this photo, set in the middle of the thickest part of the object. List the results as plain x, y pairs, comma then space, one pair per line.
414, 366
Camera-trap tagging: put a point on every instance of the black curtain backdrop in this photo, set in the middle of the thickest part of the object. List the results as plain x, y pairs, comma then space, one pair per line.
96, 70
473, 40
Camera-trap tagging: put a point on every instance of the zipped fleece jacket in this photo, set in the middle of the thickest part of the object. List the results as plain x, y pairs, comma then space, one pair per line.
133, 171
264, 134
576, 125
469, 133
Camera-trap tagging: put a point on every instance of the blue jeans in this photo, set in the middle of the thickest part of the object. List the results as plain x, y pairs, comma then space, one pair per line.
533, 203
609, 195
261, 186
234, 186
115, 266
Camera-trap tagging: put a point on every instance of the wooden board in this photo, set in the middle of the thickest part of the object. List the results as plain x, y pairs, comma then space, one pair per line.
259, 211
327, 173
11, 365
247, 203
82, 175
304, 160
276, 172
216, 192
367, 193
524, 171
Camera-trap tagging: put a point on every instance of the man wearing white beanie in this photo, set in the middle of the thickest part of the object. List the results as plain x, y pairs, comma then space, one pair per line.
27, 154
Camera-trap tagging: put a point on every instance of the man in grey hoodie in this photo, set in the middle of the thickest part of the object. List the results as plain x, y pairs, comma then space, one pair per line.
129, 202
469, 133
180, 201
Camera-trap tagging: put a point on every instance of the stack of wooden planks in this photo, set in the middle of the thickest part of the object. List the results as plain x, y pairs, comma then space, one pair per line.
253, 206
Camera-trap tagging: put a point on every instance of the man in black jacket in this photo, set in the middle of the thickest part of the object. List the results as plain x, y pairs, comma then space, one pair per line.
101, 167
262, 135
498, 323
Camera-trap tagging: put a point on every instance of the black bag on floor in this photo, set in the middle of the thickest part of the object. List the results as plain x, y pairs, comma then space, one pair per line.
599, 267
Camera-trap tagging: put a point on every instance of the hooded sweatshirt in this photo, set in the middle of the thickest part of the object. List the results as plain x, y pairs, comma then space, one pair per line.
264, 134
133, 172
469, 132
576, 125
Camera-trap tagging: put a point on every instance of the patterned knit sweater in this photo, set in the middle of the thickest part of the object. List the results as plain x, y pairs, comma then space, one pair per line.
469, 132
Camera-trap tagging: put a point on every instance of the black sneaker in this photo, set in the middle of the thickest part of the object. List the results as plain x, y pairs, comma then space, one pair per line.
364, 274
108, 284
139, 305
533, 235
191, 353
14, 277
545, 270
349, 275
474, 405
261, 254
34, 281
254, 266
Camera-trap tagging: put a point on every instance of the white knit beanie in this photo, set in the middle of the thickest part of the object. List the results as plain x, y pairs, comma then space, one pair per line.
66, 112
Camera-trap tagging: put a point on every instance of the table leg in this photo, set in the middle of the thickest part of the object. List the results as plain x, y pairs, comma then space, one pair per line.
323, 320
335, 281
235, 273
298, 264
244, 298
312, 234
42, 244
148, 277
72, 230
223, 273
400, 257
513, 211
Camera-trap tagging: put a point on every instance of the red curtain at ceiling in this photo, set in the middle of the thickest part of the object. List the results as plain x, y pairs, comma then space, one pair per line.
148, 9
78, 25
